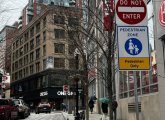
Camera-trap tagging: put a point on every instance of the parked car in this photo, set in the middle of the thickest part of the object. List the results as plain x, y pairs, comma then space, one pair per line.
43, 108
8, 110
23, 109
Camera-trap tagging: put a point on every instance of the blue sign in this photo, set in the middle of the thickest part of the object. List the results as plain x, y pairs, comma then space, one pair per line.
133, 46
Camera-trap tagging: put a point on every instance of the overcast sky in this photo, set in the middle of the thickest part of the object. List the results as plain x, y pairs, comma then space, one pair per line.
14, 8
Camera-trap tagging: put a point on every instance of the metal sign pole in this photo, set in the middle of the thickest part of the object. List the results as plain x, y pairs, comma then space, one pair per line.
136, 96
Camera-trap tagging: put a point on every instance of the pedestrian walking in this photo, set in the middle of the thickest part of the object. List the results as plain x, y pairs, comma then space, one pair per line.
114, 107
91, 105
104, 107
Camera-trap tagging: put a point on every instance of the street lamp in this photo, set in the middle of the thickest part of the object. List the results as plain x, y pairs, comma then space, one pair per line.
76, 79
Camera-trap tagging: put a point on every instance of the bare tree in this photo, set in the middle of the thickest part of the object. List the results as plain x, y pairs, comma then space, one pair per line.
87, 35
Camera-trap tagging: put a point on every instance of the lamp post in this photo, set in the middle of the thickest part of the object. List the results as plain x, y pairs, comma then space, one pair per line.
76, 54
77, 94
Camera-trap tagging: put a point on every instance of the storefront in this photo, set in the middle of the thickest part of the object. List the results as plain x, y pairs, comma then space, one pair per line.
45, 86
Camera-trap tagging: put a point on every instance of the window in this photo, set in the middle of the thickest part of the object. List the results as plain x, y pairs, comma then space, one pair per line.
16, 55
31, 44
145, 84
26, 60
16, 75
31, 69
71, 49
38, 40
21, 40
13, 56
59, 33
72, 63
44, 50
13, 80
20, 74
59, 19
16, 65
38, 53
13, 67
26, 48
123, 88
59, 48
32, 32
31, 56
27, 71
44, 22
17, 43
44, 64
73, 21
59, 62
21, 51
37, 66
37, 27
26, 36
71, 34
44, 36
13, 45
20, 62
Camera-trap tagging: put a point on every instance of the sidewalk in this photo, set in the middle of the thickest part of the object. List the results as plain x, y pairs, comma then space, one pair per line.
93, 116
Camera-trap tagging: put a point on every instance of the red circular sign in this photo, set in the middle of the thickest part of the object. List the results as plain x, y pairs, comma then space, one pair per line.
162, 13
131, 11
65, 88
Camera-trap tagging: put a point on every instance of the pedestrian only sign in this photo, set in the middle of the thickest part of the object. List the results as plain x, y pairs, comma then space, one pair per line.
133, 45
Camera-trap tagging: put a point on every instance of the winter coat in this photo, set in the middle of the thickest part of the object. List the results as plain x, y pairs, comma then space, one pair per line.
91, 103
104, 107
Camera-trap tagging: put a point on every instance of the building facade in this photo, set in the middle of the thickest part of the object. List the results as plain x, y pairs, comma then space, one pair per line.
6, 35
42, 57
159, 30
148, 85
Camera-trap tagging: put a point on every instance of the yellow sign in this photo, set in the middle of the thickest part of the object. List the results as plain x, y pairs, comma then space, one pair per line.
134, 63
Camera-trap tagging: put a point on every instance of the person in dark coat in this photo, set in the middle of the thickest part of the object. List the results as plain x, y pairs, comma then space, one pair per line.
114, 107
104, 107
91, 105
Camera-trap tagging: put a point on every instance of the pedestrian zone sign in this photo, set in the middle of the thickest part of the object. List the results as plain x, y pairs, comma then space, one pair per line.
133, 48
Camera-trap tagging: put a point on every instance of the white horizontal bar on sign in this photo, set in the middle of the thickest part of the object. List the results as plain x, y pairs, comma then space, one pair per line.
131, 9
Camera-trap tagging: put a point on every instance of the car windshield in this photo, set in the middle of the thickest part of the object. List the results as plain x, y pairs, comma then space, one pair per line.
16, 102
44, 104
3, 102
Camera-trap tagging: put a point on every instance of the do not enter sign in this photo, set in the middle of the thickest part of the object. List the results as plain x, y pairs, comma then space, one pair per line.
65, 88
131, 11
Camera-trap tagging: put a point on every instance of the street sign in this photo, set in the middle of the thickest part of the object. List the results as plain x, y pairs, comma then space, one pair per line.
130, 12
65, 88
133, 48
162, 13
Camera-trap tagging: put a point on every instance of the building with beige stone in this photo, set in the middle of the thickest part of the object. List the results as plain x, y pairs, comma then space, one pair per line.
42, 56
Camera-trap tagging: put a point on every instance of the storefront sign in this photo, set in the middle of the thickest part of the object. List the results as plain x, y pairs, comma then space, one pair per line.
64, 93
162, 13
44, 93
